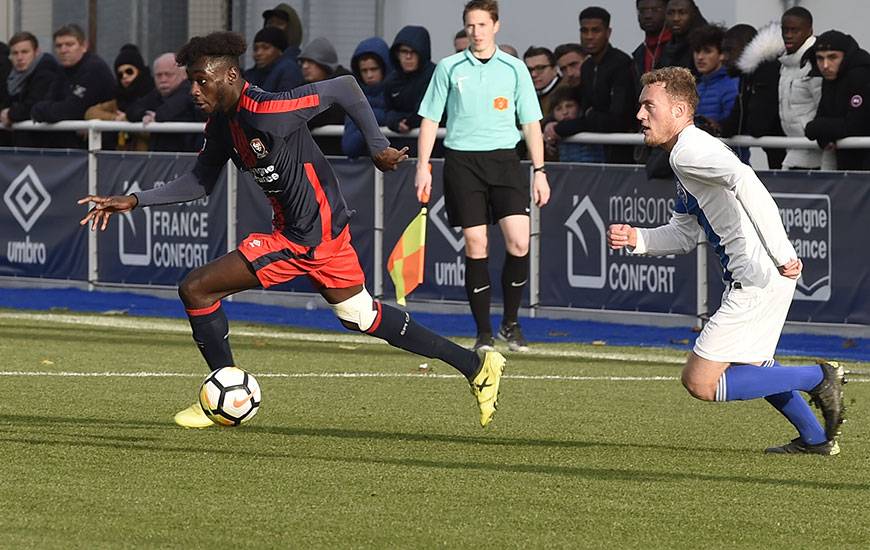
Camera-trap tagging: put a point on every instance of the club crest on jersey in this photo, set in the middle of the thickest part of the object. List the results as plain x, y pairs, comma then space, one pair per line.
856, 101
681, 193
258, 148
500, 103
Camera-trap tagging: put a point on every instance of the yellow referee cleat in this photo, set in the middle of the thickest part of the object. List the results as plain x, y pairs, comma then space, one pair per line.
485, 384
193, 417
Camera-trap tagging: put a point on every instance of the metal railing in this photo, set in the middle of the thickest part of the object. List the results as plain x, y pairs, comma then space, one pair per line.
99, 126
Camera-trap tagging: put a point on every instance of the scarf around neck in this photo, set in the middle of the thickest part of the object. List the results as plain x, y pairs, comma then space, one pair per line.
15, 80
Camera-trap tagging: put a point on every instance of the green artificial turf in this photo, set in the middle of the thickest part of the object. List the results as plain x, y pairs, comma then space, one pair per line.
588, 449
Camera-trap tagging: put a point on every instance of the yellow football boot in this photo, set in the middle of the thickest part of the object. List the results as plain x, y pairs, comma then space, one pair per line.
484, 386
193, 417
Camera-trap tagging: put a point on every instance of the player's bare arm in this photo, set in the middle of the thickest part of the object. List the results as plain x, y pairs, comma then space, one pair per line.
425, 143
104, 207
620, 235
535, 144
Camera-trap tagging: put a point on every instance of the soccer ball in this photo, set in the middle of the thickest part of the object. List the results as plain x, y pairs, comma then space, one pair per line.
230, 396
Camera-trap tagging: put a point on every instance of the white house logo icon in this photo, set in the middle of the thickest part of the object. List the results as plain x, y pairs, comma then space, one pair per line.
589, 243
453, 236
27, 198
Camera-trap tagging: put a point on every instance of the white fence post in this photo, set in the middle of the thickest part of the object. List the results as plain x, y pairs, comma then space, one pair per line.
95, 143
534, 250
379, 235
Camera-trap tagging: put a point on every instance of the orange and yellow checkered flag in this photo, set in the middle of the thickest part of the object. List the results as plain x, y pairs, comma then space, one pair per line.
406, 262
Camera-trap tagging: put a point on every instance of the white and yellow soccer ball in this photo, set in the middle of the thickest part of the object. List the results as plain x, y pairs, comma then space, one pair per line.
230, 396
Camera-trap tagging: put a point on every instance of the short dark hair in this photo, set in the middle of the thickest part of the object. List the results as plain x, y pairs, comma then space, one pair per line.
741, 33
801, 13
595, 12
562, 49
706, 35
490, 6
23, 36
563, 93
70, 29
461, 33
223, 44
532, 51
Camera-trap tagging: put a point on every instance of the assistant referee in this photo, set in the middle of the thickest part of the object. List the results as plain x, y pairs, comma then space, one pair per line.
486, 92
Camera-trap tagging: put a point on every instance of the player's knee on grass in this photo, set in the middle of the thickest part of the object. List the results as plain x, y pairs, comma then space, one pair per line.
698, 387
357, 312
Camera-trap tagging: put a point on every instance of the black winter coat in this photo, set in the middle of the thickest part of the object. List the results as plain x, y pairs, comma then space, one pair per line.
36, 87
403, 91
176, 107
844, 109
607, 102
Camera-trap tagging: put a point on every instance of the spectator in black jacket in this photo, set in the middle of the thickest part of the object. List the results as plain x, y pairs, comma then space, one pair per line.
754, 57
843, 110
607, 93
169, 101
682, 17
651, 18
405, 88
33, 72
570, 58
287, 74
84, 81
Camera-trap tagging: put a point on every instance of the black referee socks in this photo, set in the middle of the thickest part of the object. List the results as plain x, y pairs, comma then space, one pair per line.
514, 277
478, 289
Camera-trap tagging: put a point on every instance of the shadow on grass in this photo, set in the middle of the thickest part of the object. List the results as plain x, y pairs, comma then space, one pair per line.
601, 474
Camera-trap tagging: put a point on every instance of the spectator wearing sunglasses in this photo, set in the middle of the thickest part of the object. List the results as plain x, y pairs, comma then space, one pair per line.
134, 82
404, 89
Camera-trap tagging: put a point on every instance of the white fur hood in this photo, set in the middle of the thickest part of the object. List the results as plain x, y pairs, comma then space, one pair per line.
766, 46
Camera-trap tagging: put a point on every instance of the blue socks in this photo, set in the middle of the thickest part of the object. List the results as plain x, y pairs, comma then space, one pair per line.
780, 386
744, 382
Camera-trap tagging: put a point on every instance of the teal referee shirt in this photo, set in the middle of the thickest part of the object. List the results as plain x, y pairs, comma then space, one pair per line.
484, 100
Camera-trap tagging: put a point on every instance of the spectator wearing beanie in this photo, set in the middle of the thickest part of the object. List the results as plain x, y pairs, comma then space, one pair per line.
134, 82
319, 62
843, 110
370, 65
286, 19
273, 71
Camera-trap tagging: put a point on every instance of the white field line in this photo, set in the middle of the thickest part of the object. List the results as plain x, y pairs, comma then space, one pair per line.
653, 356
146, 374
545, 377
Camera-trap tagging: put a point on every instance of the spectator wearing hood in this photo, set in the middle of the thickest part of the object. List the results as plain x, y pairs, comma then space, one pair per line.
285, 18
843, 110
134, 82
370, 65
85, 80
320, 62
753, 57
30, 80
799, 92
405, 88
273, 71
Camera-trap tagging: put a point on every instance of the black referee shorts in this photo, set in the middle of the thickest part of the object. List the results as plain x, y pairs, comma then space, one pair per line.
482, 187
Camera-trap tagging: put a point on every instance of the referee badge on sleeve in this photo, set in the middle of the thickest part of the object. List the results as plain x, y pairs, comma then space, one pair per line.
500, 103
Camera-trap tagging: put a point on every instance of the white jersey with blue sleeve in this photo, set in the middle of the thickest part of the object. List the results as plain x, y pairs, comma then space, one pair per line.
724, 198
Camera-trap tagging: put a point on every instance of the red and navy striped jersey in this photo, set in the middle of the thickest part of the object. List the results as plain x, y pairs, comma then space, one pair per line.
267, 136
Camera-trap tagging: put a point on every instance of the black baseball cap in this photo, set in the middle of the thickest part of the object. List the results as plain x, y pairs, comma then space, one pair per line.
281, 14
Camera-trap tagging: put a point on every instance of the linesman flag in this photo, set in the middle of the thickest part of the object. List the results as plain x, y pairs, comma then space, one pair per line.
406, 261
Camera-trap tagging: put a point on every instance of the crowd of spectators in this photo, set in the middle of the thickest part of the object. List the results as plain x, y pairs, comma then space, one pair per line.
780, 80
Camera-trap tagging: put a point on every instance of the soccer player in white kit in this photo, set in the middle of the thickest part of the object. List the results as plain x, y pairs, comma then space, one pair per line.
733, 356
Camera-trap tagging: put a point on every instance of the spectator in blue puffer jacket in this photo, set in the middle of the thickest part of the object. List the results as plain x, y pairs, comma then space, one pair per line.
717, 90
370, 65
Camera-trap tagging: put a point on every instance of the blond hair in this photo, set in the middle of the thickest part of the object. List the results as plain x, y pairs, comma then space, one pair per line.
679, 83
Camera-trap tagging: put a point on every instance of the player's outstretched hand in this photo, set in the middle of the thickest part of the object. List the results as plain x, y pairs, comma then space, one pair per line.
104, 207
792, 269
620, 235
389, 158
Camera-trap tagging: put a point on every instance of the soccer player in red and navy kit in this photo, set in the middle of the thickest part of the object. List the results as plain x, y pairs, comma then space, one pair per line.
266, 134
